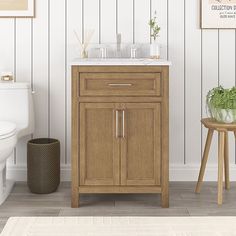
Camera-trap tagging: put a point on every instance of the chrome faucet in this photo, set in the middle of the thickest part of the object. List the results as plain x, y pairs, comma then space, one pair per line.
118, 45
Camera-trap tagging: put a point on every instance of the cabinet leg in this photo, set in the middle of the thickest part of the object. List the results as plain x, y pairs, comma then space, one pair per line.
165, 199
75, 199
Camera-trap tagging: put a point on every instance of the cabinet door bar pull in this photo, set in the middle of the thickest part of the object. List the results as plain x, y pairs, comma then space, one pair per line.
122, 85
123, 123
117, 123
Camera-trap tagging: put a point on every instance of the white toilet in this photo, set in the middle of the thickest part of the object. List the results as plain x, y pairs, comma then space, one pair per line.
16, 121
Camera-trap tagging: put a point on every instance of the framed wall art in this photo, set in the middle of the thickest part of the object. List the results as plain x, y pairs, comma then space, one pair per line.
17, 8
218, 14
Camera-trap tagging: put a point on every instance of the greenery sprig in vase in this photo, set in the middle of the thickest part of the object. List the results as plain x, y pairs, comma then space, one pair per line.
221, 104
155, 30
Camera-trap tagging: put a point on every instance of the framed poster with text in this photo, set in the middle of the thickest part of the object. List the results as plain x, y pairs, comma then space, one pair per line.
218, 14
17, 8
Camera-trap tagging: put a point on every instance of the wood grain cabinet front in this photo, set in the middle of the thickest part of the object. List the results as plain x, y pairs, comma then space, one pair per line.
99, 145
140, 144
120, 131
120, 84
120, 146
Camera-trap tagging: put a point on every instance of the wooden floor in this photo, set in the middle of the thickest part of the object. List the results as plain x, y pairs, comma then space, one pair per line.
183, 202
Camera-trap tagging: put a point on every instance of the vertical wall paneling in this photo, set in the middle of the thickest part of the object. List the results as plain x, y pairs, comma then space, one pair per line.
57, 72
133, 15
49, 68
210, 45
40, 50
23, 71
161, 8
227, 58
7, 45
227, 71
125, 20
40, 68
7, 50
108, 21
65, 81
192, 83
74, 22
167, 17
142, 17
177, 74
91, 18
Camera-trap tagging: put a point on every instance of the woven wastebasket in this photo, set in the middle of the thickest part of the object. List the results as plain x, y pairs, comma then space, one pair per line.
43, 160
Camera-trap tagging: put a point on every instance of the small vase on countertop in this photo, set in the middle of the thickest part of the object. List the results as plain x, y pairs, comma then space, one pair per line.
84, 52
155, 30
84, 43
155, 50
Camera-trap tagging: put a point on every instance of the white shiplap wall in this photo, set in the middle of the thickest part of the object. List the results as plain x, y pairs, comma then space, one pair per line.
39, 51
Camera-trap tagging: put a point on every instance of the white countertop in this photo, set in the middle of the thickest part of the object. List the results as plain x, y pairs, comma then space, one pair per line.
120, 61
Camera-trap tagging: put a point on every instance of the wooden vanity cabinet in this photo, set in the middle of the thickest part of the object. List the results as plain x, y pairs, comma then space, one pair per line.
120, 130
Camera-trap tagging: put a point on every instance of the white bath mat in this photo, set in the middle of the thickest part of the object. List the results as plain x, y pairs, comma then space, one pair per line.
120, 226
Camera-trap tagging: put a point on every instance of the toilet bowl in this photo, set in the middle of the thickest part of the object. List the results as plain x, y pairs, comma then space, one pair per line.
16, 121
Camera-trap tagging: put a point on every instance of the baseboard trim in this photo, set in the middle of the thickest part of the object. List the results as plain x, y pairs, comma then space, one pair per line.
191, 172
177, 173
19, 173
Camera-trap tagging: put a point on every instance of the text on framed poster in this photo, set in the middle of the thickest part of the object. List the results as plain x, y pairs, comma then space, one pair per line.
218, 14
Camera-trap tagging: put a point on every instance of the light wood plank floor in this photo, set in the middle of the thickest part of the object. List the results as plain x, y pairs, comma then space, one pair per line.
183, 202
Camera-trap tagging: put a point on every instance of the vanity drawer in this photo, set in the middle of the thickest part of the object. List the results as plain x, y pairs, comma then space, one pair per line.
120, 84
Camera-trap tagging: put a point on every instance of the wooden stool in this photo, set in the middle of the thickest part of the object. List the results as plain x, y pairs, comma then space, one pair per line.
223, 153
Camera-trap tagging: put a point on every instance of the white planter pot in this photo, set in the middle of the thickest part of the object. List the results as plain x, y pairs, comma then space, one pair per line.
223, 115
155, 51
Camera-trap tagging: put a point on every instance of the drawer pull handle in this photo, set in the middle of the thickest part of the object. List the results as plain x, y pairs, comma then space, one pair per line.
117, 123
121, 85
123, 116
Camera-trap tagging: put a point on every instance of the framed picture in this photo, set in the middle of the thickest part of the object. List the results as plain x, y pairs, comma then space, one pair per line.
218, 14
17, 8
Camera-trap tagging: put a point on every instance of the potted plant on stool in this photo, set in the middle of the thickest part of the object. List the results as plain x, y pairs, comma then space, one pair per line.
221, 104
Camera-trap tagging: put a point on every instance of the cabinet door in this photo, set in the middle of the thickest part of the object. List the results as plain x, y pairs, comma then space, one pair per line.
141, 144
99, 144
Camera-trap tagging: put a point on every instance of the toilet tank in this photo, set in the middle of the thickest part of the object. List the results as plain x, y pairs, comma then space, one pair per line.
16, 105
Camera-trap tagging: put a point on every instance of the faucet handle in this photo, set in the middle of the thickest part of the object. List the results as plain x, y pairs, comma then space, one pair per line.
118, 38
103, 52
133, 53
118, 41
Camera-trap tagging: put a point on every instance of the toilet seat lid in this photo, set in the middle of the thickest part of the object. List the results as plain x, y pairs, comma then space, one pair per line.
7, 128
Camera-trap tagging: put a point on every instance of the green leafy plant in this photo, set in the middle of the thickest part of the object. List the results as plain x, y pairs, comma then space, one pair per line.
155, 28
221, 104
222, 98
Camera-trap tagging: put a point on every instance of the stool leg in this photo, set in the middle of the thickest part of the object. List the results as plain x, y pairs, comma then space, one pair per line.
204, 160
220, 165
226, 161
